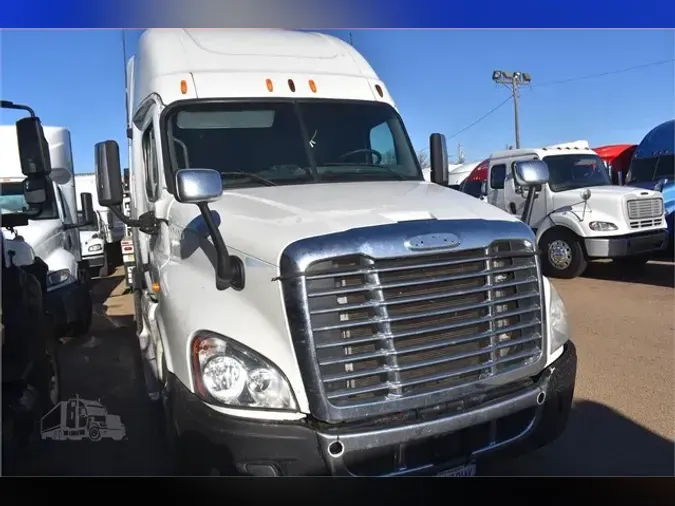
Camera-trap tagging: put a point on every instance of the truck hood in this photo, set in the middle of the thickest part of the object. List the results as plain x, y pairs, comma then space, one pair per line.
37, 234
601, 194
261, 222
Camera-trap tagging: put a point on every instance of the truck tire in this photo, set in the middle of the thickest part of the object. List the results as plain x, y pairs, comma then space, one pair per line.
562, 254
107, 268
83, 323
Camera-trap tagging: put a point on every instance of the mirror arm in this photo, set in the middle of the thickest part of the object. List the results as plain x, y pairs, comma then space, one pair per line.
229, 269
6, 104
146, 222
529, 204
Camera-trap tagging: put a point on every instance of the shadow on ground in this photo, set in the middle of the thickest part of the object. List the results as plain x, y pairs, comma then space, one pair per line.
598, 441
660, 272
105, 366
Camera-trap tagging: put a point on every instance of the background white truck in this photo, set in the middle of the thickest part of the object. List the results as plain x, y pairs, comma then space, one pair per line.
53, 231
579, 215
101, 241
372, 324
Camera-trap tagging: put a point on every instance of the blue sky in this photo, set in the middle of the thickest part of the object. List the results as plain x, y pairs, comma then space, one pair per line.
440, 79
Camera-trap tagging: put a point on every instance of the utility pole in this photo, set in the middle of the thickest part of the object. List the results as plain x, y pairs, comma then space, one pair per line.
512, 80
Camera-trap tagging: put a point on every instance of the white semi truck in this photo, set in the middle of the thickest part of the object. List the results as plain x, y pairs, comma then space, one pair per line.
52, 230
305, 308
579, 216
101, 241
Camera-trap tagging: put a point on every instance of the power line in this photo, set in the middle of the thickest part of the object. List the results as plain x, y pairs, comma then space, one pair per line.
482, 117
603, 74
564, 81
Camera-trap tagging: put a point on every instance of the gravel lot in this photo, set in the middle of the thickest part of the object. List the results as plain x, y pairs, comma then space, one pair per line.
623, 421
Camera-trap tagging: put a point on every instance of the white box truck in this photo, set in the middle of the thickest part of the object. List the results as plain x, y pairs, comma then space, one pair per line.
101, 241
579, 216
307, 303
52, 230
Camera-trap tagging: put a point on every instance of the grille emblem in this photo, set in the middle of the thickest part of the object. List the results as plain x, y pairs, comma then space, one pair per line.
433, 241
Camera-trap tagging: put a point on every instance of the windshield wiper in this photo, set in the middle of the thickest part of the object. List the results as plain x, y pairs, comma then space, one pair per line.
255, 177
373, 166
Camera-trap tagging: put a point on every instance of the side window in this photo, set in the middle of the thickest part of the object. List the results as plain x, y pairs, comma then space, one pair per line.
151, 165
497, 176
382, 141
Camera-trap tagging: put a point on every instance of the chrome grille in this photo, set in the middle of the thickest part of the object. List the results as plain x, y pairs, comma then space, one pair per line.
644, 208
392, 328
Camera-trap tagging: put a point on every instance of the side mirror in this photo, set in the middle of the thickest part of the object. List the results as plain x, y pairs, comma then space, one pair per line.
439, 159
33, 147
88, 213
108, 173
35, 190
201, 186
530, 173
60, 176
197, 186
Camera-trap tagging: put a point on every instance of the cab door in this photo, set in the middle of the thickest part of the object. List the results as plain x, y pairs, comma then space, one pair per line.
147, 154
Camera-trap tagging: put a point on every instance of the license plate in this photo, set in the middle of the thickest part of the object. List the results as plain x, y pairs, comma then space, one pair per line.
469, 470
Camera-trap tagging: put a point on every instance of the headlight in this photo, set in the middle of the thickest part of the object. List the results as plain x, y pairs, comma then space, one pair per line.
560, 330
94, 248
236, 376
57, 277
602, 226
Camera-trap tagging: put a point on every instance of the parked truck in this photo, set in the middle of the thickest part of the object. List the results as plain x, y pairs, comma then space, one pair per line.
45, 169
101, 240
579, 216
304, 306
653, 168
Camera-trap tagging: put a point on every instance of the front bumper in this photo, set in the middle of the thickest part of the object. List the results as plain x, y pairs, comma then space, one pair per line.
94, 260
509, 425
627, 245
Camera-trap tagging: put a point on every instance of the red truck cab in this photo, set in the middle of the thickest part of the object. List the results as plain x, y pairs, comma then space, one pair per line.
472, 184
617, 157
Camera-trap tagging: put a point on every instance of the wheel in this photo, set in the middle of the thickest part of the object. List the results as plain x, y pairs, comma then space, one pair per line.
562, 254
107, 268
83, 323
633, 263
94, 433
183, 451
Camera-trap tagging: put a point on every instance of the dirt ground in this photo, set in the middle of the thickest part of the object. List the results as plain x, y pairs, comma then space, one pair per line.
623, 420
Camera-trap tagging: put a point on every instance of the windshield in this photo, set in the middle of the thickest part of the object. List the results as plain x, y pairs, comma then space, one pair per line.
651, 169
12, 201
275, 143
569, 172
